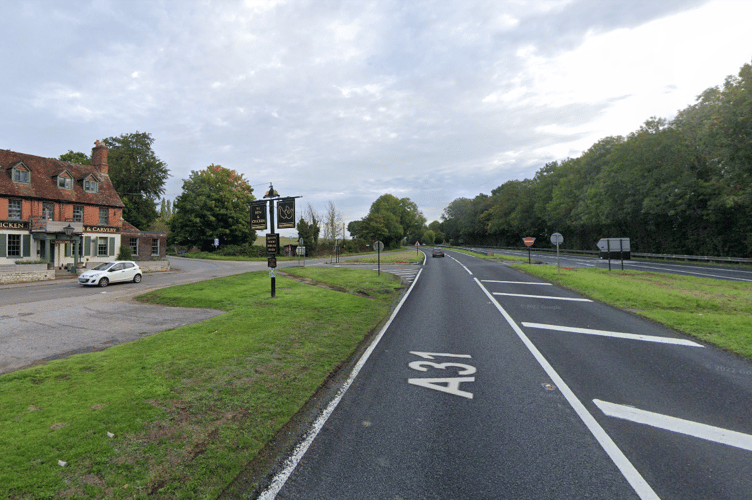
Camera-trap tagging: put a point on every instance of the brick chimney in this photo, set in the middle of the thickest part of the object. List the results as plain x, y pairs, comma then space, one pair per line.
99, 158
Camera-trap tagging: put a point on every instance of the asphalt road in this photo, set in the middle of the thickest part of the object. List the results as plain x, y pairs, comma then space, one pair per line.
489, 384
726, 272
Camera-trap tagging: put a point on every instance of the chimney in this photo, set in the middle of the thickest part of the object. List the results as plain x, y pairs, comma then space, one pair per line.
99, 158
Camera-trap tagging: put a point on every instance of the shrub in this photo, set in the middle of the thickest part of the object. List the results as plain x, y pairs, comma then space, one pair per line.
125, 253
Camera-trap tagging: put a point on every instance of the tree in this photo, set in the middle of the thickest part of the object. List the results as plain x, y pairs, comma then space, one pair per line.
309, 229
333, 225
137, 174
391, 220
75, 157
214, 204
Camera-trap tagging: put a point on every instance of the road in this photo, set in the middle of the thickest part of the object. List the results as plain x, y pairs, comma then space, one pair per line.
490, 384
583, 261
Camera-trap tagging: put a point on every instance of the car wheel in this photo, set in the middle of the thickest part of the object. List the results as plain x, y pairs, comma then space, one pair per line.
137, 278
104, 282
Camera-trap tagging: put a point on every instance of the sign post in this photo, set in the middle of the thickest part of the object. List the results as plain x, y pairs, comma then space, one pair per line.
286, 219
378, 246
417, 247
557, 239
528, 242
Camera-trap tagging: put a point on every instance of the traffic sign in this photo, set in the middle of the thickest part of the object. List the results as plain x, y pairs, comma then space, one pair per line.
529, 241
378, 246
557, 239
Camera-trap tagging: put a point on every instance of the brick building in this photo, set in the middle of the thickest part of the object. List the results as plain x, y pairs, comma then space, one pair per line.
60, 212
145, 245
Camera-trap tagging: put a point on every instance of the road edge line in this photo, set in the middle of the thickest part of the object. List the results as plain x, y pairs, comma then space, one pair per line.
294, 459
633, 477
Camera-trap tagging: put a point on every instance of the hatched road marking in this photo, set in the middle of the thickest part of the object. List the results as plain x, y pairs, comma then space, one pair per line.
619, 335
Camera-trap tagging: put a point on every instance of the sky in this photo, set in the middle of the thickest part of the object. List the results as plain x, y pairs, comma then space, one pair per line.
344, 101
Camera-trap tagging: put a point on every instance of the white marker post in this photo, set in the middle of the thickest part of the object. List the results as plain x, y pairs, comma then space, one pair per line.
557, 239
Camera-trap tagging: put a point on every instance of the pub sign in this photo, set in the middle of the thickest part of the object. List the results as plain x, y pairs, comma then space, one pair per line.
258, 215
286, 213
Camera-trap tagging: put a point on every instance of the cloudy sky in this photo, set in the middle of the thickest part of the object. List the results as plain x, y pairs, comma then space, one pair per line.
344, 101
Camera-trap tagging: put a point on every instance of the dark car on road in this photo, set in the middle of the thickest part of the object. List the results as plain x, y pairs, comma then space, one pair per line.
437, 252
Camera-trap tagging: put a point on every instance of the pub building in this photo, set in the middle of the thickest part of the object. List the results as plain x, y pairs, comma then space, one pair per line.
59, 212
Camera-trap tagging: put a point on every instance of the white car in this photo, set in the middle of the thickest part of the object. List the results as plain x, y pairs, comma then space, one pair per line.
111, 272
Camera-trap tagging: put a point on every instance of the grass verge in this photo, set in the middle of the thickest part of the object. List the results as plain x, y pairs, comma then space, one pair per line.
399, 257
191, 406
495, 256
716, 311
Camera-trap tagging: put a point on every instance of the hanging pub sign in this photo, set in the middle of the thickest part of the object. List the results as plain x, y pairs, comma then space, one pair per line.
286, 213
258, 215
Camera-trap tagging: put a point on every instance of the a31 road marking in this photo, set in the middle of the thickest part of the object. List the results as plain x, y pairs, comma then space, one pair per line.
687, 427
449, 385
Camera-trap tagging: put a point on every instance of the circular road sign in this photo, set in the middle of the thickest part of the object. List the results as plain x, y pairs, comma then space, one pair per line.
529, 241
378, 246
557, 239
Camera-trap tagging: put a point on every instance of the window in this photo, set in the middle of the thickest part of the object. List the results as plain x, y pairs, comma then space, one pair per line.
155, 246
102, 247
134, 246
104, 217
90, 186
14, 209
14, 245
48, 211
78, 214
21, 174
64, 182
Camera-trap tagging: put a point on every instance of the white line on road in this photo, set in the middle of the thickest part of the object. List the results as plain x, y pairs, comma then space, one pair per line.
541, 297
687, 427
517, 282
619, 335
292, 462
460, 263
638, 483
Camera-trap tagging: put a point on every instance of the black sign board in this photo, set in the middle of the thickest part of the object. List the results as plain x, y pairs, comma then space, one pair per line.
272, 242
271, 262
286, 213
258, 215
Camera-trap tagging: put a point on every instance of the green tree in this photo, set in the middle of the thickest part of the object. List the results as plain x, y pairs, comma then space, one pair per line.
390, 220
214, 204
75, 157
138, 176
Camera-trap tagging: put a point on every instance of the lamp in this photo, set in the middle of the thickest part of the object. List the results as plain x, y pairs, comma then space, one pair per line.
68, 230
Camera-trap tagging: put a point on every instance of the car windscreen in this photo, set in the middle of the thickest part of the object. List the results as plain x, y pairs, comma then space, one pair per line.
103, 266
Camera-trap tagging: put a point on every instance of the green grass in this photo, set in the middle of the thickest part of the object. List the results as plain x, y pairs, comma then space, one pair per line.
398, 257
716, 311
188, 407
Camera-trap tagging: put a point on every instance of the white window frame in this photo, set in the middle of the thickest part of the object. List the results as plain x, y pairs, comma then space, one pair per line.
104, 221
103, 243
12, 210
155, 242
67, 182
20, 246
134, 248
91, 186
78, 219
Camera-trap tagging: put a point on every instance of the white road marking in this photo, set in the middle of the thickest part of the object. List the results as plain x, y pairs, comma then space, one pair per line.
517, 282
606, 333
687, 427
292, 462
460, 263
452, 385
638, 483
541, 297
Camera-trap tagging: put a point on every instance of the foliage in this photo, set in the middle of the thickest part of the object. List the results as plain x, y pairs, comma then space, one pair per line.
75, 157
137, 174
682, 186
391, 220
125, 253
214, 204
309, 228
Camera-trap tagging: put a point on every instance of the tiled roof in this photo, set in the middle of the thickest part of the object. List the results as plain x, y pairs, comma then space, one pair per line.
43, 181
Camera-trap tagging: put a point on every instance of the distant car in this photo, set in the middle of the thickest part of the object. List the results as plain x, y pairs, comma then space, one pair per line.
111, 272
437, 252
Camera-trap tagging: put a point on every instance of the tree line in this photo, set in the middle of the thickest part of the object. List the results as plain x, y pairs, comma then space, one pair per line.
680, 186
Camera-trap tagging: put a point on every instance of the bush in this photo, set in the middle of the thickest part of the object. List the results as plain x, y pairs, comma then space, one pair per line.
125, 253
247, 249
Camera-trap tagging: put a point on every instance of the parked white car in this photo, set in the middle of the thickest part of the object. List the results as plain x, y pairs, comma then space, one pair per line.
111, 272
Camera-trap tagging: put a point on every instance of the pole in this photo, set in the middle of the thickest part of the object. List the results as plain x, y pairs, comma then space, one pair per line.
558, 266
528, 255
378, 258
608, 246
621, 253
271, 272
